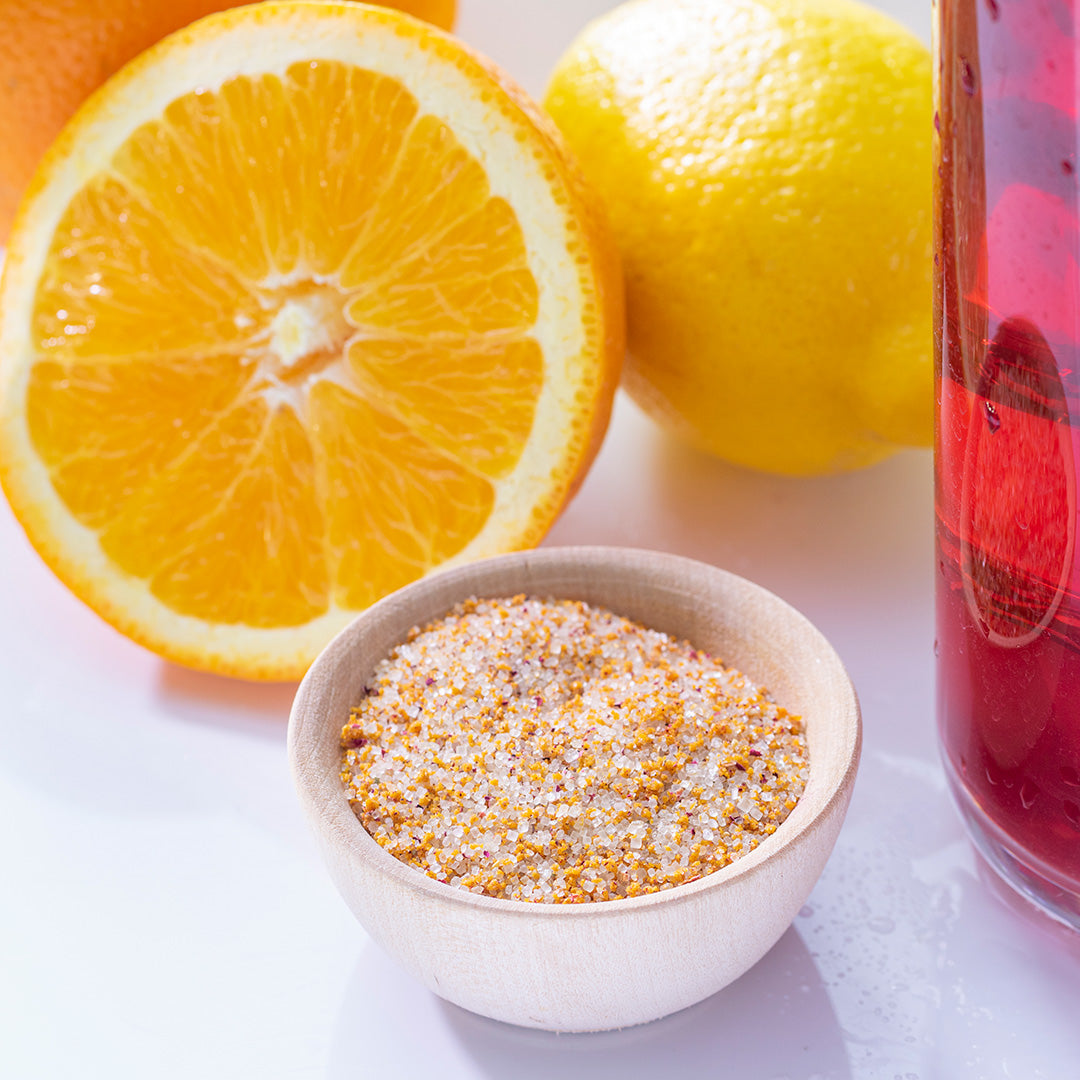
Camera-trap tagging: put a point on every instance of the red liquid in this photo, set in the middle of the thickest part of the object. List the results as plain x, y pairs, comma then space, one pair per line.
1008, 305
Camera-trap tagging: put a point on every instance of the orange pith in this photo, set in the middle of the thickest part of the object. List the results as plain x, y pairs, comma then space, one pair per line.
286, 353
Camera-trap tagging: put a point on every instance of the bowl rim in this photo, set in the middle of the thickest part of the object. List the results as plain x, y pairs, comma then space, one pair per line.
339, 823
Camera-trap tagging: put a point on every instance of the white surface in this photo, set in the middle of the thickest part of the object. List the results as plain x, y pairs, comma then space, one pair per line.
154, 867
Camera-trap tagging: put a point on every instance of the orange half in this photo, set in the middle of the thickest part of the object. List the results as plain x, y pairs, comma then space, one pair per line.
307, 302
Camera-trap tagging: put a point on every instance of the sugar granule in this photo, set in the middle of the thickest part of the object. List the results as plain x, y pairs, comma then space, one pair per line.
552, 751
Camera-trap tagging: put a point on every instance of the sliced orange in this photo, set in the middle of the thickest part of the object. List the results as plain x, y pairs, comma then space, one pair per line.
306, 302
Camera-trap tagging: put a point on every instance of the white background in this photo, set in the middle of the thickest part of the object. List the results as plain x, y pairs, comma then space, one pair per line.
164, 914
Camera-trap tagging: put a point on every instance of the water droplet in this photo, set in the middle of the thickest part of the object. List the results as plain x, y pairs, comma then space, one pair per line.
937, 122
993, 9
1072, 812
1029, 792
992, 418
967, 76
1070, 776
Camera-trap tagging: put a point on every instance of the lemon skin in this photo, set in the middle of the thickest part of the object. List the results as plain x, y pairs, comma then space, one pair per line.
766, 166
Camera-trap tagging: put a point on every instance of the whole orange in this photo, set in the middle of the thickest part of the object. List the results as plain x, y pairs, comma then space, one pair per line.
55, 53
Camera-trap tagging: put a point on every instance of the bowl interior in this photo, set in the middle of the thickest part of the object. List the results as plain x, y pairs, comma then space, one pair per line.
740, 623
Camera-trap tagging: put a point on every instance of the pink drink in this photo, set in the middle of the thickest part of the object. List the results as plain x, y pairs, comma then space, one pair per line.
1008, 307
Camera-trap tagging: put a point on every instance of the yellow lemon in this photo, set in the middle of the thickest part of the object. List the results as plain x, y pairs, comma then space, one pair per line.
766, 167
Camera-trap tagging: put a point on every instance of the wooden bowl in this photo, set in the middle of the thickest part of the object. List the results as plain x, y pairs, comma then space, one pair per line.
607, 964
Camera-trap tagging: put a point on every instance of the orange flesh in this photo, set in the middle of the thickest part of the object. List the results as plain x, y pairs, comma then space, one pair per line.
283, 347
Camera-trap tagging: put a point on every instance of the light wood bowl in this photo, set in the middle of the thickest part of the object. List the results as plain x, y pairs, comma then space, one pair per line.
608, 964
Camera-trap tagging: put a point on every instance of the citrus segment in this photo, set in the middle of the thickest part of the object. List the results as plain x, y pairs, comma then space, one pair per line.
247, 551
472, 397
276, 342
397, 506
474, 278
104, 430
434, 185
118, 284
